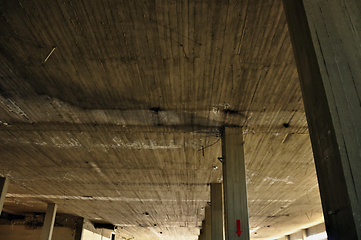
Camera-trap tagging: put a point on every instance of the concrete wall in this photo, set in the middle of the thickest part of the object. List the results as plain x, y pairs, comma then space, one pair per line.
311, 231
16, 232
296, 236
88, 235
316, 229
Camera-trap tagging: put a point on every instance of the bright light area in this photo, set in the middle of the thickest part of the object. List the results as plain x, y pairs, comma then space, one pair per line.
320, 236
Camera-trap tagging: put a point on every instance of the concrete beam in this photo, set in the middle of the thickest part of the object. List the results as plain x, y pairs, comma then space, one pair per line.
4, 185
326, 41
234, 184
49, 220
216, 211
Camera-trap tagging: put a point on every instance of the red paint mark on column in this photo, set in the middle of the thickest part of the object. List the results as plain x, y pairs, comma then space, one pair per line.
239, 232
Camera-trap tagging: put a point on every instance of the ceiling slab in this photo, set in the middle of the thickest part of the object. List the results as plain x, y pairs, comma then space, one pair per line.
114, 109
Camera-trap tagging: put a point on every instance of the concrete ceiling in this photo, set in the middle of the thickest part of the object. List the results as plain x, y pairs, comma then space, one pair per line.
120, 123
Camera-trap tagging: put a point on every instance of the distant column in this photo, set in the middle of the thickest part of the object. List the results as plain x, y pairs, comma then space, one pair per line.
234, 185
304, 234
79, 228
49, 220
4, 184
208, 229
216, 211
326, 38
203, 232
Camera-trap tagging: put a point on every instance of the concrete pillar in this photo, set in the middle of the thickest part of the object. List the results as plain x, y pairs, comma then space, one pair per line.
208, 225
326, 38
4, 184
202, 233
234, 185
216, 211
79, 228
49, 220
304, 234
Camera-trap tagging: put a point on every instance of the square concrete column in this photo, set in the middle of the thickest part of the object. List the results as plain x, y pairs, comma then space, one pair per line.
79, 228
208, 225
49, 220
326, 38
202, 233
304, 234
4, 184
216, 211
234, 185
